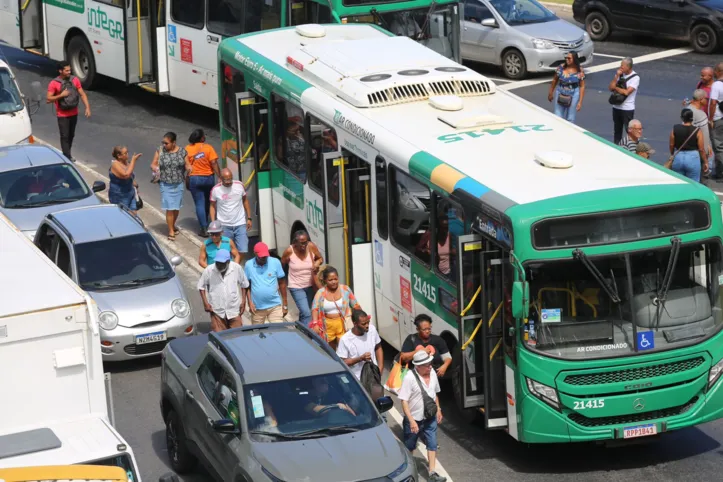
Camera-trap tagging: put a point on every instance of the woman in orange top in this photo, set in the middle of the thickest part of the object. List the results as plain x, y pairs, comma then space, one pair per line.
204, 169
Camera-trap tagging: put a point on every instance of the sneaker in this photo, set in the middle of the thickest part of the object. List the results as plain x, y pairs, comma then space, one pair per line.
435, 477
203, 233
72, 159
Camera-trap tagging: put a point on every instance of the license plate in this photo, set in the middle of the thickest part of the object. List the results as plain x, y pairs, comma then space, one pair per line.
640, 431
150, 337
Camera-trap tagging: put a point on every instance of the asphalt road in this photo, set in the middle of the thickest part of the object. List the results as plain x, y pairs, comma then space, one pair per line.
130, 116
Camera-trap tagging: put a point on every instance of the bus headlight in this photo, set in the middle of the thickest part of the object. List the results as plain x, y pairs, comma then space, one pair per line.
715, 373
108, 320
180, 308
544, 393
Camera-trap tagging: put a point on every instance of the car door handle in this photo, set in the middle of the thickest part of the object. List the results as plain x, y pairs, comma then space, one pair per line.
190, 395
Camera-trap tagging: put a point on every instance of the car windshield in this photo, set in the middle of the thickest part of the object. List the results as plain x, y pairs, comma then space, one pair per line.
10, 98
41, 186
520, 12
314, 406
126, 261
624, 304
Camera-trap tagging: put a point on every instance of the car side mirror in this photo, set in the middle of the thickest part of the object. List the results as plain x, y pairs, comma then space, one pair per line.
384, 404
37, 91
520, 299
225, 425
98, 186
489, 22
176, 260
169, 477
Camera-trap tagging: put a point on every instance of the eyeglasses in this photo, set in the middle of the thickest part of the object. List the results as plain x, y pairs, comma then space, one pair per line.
215, 234
425, 330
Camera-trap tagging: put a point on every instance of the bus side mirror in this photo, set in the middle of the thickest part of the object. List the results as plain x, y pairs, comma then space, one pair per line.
520, 299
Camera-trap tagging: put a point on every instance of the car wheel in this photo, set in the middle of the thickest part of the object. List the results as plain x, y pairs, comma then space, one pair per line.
82, 61
597, 26
703, 38
469, 415
514, 65
182, 460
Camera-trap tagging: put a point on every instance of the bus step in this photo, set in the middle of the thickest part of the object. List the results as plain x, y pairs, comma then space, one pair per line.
149, 86
36, 52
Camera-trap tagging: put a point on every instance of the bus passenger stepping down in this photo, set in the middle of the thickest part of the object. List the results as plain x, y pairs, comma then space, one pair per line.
304, 260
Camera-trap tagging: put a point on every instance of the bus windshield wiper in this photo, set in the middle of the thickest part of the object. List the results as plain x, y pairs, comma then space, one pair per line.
661, 295
610, 289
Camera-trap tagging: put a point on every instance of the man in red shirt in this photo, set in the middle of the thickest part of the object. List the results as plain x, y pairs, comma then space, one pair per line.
64, 91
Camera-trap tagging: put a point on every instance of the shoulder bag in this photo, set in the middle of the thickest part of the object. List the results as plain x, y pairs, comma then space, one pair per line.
616, 98
669, 163
430, 406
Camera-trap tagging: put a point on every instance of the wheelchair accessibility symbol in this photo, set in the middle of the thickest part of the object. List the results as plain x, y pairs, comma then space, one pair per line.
646, 340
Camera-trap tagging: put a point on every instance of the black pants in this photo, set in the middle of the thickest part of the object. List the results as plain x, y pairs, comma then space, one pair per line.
621, 118
66, 126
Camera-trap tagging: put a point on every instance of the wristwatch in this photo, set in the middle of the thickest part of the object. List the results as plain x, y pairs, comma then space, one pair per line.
284, 307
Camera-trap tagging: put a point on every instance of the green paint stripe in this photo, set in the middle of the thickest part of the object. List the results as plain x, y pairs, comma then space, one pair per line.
264, 180
422, 164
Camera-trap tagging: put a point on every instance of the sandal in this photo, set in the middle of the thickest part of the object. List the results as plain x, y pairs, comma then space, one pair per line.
171, 237
177, 229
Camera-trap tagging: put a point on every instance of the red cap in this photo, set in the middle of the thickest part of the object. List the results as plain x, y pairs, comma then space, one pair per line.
261, 250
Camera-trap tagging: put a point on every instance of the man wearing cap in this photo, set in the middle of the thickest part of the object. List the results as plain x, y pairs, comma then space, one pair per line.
267, 287
230, 206
416, 423
643, 149
223, 287
217, 241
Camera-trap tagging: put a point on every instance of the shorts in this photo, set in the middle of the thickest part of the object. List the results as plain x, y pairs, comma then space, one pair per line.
219, 323
334, 328
239, 237
427, 431
172, 196
275, 314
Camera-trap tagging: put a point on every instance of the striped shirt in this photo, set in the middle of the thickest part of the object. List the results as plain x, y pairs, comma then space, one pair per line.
628, 143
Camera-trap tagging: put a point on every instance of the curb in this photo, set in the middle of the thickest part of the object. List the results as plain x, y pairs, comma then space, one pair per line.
558, 6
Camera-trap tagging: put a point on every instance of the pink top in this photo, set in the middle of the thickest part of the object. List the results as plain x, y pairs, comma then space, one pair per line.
301, 271
443, 252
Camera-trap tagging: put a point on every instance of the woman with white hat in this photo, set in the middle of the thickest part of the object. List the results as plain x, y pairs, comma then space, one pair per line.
422, 412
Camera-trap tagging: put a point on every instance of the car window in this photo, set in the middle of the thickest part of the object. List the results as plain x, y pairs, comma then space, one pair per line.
219, 387
127, 261
41, 186
10, 99
476, 11
321, 403
62, 256
520, 12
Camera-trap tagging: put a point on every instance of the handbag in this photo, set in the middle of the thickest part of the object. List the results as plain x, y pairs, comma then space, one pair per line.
430, 406
669, 163
564, 100
348, 324
396, 376
139, 200
616, 98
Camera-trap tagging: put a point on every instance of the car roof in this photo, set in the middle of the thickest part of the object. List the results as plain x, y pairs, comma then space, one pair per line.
278, 351
22, 156
95, 223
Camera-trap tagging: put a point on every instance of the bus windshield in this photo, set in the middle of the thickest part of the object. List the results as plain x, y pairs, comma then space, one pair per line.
435, 27
623, 304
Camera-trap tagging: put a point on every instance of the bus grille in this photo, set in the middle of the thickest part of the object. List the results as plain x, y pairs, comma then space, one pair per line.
631, 374
633, 417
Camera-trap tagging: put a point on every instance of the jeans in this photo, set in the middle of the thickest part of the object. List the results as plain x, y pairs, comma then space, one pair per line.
427, 430
66, 126
303, 297
568, 113
200, 187
621, 118
687, 163
717, 141
239, 237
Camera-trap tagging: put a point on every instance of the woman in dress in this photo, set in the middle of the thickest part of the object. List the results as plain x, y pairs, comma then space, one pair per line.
332, 304
304, 260
122, 188
172, 163
568, 88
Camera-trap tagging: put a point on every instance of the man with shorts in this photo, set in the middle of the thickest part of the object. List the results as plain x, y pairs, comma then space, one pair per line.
223, 287
231, 207
267, 287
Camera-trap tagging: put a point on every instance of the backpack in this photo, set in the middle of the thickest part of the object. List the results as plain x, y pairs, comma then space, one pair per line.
616, 98
70, 102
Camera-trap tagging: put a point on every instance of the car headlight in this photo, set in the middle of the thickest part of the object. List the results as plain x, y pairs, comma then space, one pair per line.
180, 308
542, 44
586, 38
400, 470
108, 320
544, 393
407, 199
715, 373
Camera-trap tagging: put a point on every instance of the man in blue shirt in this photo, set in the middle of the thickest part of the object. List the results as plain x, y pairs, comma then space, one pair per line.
268, 287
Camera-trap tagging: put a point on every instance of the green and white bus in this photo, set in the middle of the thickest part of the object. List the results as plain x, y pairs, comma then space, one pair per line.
577, 284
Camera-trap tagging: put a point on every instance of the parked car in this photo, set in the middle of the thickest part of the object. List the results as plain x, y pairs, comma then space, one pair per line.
36, 180
273, 402
521, 36
16, 109
698, 22
108, 252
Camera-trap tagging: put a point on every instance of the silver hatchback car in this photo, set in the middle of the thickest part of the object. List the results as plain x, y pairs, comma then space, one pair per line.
521, 36
108, 252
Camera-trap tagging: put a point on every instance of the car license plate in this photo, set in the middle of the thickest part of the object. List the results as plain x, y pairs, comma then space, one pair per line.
640, 431
150, 337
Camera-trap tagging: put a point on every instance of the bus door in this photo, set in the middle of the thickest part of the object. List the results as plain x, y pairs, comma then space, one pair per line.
253, 148
26, 33
140, 18
480, 329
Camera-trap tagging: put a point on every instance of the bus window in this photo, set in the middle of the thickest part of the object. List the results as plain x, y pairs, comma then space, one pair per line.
289, 141
121, 460
262, 15
309, 11
449, 225
233, 82
381, 194
188, 12
322, 140
224, 17
358, 192
410, 213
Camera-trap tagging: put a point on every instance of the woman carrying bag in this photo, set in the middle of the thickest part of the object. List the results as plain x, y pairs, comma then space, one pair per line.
687, 148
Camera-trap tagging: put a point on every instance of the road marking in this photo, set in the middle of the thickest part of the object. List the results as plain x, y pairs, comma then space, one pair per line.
595, 54
718, 193
601, 68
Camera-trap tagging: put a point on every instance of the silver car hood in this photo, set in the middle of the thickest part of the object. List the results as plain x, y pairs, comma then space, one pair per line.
141, 304
557, 30
28, 219
363, 455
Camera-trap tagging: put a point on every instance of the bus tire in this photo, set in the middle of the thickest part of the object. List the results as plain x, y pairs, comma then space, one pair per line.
469, 415
182, 460
82, 61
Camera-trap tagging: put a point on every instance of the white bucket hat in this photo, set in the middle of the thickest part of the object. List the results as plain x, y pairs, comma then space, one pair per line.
422, 358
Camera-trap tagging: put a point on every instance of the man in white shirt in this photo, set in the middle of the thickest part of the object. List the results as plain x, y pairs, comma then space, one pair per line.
230, 206
716, 121
223, 287
415, 422
624, 112
361, 344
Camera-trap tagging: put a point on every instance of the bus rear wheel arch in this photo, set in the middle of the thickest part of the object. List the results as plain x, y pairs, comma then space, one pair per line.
82, 60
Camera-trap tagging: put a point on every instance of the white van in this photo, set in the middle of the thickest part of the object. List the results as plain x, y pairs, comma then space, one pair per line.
54, 407
16, 109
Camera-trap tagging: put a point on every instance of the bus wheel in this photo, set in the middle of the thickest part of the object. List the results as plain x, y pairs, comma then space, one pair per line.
469, 415
82, 61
